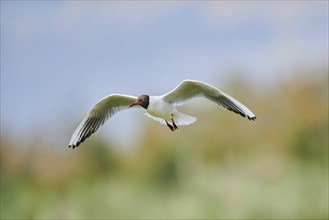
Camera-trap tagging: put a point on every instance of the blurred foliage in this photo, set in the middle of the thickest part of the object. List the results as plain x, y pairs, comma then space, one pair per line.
220, 167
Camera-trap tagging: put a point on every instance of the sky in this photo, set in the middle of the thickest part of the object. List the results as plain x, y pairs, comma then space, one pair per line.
59, 57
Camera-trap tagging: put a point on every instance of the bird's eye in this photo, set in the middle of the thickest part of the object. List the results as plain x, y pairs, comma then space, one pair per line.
141, 100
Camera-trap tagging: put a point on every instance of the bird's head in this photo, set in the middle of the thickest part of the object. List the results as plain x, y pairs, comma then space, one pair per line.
143, 100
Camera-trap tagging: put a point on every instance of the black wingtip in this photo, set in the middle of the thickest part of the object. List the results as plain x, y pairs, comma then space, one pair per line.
252, 118
74, 146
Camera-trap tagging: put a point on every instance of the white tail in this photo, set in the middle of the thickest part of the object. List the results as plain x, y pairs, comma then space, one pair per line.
183, 119
179, 118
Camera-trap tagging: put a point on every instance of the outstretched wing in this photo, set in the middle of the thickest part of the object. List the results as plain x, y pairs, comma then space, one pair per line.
98, 114
190, 89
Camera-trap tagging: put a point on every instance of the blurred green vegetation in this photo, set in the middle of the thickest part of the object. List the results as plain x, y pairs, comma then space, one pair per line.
223, 166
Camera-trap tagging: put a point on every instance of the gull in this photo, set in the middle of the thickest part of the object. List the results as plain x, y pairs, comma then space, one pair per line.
160, 108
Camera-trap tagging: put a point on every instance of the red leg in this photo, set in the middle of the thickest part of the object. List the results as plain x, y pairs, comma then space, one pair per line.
175, 126
170, 126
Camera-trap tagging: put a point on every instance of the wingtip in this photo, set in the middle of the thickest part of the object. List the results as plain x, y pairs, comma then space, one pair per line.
74, 145
253, 118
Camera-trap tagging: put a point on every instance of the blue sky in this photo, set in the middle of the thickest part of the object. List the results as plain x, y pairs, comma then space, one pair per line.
60, 57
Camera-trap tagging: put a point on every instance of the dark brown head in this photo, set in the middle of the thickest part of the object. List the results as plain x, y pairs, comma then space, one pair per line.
143, 100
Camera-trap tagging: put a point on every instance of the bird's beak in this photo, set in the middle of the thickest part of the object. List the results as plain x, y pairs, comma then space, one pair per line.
134, 103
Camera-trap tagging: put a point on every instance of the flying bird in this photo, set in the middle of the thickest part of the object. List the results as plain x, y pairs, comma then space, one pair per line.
160, 108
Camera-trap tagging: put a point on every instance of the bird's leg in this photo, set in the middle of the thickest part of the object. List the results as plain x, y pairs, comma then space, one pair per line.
170, 126
175, 126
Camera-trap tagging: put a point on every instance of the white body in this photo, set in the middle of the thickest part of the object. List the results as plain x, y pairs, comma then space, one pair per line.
160, 110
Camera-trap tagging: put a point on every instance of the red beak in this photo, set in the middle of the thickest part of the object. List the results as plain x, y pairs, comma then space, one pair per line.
133, 104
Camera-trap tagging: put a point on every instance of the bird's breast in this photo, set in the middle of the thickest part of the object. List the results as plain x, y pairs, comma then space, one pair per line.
160, 108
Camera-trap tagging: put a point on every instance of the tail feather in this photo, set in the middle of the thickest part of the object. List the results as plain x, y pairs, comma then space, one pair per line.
183, 119
180, 119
